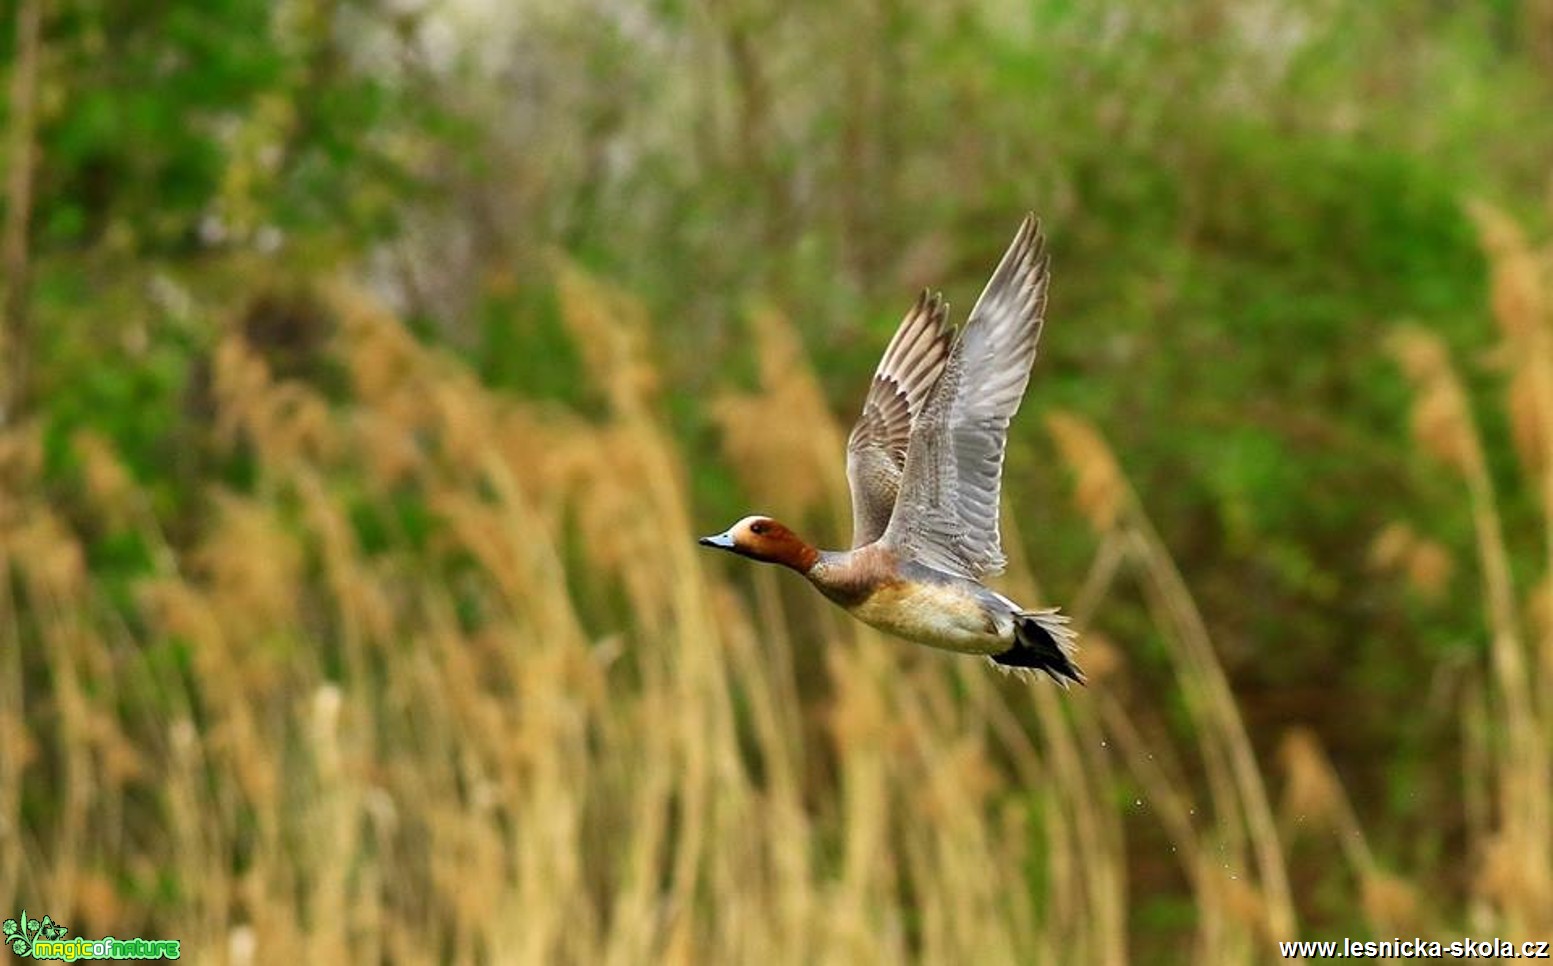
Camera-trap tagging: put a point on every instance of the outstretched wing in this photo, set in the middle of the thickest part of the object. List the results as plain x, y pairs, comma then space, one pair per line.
876, 450
946, 515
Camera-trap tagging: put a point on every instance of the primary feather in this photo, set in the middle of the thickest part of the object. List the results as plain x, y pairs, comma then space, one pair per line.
946, 509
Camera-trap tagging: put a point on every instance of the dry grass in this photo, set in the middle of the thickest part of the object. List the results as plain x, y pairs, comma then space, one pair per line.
446, 743
1509, 711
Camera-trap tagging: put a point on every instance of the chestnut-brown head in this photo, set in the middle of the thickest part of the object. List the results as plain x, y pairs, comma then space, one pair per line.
762, 538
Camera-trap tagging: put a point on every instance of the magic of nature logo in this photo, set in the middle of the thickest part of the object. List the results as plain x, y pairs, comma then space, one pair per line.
45, 939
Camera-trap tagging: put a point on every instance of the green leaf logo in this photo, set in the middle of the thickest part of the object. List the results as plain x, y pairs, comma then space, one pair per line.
22, 935
19, 935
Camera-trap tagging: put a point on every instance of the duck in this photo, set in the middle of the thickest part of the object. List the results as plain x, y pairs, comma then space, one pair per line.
925, 472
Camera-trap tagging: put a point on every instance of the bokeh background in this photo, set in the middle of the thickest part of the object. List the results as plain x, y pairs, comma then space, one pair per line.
371, 365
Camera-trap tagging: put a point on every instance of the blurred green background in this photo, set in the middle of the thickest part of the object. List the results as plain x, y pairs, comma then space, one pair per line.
1243, 200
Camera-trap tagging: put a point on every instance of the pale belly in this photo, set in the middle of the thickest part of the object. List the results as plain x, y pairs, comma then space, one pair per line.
938, 615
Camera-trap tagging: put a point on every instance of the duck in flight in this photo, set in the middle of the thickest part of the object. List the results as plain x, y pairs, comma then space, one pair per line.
925, 466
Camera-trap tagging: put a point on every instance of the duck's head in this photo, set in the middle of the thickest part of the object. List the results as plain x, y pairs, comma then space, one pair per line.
762, 538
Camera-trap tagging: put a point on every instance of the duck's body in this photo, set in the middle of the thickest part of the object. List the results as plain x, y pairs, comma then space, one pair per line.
925, 465
910, 600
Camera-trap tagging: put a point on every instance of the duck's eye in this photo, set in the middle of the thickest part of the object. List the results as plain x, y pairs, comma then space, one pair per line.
757, 528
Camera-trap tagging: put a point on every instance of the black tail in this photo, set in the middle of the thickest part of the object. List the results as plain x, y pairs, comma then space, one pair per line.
1043, 641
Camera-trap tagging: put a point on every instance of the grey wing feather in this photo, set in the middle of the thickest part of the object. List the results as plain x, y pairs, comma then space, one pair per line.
946, 514
876, 450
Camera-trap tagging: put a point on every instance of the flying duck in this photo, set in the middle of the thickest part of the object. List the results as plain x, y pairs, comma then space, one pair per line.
925, 466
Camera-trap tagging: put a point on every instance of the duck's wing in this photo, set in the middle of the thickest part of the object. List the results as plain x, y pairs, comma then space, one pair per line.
876, 450
946, 514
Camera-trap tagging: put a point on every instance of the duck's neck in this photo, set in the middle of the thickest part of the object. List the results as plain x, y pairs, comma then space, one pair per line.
797, 554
